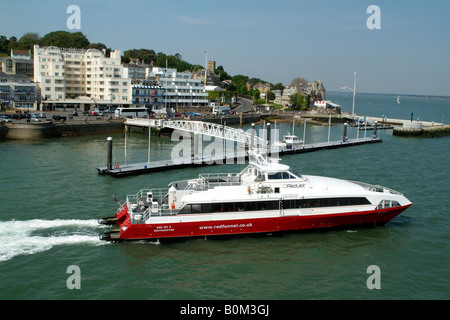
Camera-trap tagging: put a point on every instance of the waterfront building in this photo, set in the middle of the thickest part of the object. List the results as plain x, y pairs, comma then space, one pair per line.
19, 63
318, 91
144, 90
148, 96
81, 79
181, 91
17, 91
137, 72
284, 97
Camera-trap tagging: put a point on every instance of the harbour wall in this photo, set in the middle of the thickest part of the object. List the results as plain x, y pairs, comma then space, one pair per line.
38, 131
423, 132
44, 130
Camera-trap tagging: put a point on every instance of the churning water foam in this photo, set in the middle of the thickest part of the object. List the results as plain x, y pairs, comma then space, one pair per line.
34, 236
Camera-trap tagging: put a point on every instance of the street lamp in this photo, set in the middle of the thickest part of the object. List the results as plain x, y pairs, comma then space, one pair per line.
354, 92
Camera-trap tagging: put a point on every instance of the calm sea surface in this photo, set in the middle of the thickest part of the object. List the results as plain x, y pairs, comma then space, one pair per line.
51, 197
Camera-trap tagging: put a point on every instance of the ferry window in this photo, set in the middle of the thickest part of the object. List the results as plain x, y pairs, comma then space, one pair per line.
217, 207
289, 204
195, 208
323, 203
295, 174
227, 207
206, 208
286, 175
364, 201
259, 177
273, 176
261, 205
277, 189
333, 202
272, 205
186, 209
249, 206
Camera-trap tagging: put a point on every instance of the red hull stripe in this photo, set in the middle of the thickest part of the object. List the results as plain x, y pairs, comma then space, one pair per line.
249, 226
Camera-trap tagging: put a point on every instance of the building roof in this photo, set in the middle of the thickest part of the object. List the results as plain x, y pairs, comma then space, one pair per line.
14, 76
20, 52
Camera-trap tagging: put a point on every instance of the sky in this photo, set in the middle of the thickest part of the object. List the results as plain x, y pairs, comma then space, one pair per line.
276, 41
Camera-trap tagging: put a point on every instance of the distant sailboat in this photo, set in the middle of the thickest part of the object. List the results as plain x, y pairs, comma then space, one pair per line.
398, 99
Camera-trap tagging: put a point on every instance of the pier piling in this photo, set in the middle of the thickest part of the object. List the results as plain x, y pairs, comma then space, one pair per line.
109, 165
344, 136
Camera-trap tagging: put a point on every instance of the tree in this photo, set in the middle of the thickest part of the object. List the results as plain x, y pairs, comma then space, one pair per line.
4, 45
299, 101
270, 95
240, 82
299, 83
64, 39
146, 55
28, 40
222, 73
278, 86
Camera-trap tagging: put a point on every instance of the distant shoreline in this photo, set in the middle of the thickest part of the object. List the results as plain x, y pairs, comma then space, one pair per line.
394, 95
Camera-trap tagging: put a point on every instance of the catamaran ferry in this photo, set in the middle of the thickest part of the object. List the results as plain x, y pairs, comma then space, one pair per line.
263, 198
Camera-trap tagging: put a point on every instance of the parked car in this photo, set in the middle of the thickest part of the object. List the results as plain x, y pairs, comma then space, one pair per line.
35, 118
5, 118
59, 118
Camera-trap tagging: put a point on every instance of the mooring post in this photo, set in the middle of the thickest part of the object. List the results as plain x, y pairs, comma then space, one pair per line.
344, 136
375, 130
109, 153
252, 139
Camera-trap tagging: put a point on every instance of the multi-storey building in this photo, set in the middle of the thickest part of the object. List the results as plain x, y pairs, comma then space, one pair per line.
19, 62
148, 96
181, 92
80, 78
17, 91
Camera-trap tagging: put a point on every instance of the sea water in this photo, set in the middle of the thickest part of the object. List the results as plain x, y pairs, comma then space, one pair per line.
51, 196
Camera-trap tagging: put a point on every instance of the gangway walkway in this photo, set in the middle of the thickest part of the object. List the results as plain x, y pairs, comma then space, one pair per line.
202, 128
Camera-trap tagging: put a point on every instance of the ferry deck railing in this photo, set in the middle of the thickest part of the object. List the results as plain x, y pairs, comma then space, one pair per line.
141, 209
376, 188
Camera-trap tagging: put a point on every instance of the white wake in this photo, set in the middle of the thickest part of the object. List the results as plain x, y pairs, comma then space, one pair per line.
34, 236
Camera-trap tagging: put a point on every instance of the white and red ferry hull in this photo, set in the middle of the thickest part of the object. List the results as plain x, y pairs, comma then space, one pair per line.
213, 225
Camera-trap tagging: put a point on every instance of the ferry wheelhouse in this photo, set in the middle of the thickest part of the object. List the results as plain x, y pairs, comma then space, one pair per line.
263, 198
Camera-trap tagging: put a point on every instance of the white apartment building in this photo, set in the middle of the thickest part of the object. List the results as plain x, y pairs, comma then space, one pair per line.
180, 90
80, 79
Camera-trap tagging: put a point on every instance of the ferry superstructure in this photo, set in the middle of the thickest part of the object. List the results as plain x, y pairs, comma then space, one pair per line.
265, 197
